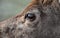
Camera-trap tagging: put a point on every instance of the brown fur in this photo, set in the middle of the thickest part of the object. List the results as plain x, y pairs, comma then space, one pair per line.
46, 24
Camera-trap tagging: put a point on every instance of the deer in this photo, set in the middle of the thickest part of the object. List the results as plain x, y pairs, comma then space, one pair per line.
40, 19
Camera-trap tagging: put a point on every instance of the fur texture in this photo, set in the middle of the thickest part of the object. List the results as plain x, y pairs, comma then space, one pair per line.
46, 24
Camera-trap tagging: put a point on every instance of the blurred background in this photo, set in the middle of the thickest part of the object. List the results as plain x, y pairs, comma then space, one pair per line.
9, 8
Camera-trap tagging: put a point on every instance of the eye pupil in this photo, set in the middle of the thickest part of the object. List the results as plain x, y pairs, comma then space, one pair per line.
30, 16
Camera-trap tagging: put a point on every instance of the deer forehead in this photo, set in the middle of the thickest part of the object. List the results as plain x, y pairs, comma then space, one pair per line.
34, 11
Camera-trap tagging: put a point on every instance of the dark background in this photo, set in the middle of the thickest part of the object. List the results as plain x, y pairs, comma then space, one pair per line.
9, 8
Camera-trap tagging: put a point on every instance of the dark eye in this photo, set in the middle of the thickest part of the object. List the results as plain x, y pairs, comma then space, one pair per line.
30, 16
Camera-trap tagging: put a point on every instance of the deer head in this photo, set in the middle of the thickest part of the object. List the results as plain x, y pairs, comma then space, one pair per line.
40, 19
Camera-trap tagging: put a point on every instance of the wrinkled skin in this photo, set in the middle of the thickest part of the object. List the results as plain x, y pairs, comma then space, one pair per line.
45, 25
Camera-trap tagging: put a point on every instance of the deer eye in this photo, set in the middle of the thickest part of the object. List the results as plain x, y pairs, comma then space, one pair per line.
30, 16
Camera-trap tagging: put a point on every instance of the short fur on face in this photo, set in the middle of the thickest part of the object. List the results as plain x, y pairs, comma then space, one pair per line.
45, 25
